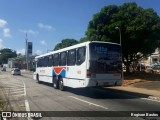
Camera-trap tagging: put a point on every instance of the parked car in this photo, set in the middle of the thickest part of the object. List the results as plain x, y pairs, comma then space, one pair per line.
141, 67
16, 71
153, 68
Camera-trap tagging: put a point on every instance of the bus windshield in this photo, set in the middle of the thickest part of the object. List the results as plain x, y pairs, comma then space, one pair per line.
105, 58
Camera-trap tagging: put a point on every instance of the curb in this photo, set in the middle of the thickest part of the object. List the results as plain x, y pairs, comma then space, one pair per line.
131, 82
134, 93
154, 98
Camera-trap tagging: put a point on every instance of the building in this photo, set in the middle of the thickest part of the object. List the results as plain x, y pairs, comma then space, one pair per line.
155, 57
20, 62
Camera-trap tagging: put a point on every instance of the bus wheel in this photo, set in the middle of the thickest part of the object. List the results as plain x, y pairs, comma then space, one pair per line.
38, 78
61, 86
55, 83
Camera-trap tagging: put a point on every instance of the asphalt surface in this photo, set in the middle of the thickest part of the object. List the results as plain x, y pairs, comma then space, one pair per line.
117, 104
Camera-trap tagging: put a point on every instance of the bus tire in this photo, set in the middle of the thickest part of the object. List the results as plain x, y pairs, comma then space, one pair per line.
37, 77
55, 83
61, 85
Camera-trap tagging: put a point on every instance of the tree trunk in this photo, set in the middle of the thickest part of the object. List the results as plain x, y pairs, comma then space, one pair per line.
127, 63
127, 68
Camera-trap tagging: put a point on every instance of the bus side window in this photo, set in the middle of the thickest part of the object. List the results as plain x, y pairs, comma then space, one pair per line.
56, 59
50, 62
45, 61
40, 62
71, 58
37, 62
81, 54
63, 56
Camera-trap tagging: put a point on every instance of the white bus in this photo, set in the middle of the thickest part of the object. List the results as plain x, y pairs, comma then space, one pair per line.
86, 64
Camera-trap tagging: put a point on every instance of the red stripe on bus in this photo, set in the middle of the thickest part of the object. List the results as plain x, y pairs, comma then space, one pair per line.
58, 70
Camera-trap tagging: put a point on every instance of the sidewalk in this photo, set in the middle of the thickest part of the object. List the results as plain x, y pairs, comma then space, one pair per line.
149, 88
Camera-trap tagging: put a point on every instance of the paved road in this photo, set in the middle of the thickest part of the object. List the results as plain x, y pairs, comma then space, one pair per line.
26, 94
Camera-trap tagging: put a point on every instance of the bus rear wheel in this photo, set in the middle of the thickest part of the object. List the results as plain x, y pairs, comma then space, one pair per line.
37, 77
61, 85
55, 83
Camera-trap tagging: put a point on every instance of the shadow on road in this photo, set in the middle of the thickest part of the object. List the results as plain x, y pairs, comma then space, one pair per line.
106, 93
102, 93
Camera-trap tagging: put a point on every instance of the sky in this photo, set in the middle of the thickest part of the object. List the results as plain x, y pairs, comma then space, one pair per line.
47, 22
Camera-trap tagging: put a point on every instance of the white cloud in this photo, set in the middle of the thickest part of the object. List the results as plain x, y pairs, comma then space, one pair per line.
1, 44
43, 26
22, 51
37, 52
4, 28
6, 32
3, 23
29, 31
43, 42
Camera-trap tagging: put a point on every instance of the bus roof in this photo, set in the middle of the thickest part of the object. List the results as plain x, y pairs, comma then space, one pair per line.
72, 47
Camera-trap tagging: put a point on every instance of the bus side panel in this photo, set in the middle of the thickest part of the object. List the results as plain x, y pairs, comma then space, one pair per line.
59, 71
74, 83
45, 74
47, 79
75, 76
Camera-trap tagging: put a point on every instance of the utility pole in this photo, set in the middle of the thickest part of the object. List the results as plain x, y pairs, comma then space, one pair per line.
26, 52
120, 39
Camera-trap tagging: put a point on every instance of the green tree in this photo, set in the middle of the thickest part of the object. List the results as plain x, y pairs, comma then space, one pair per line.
140, 30
83, 39
5, 54
65, 43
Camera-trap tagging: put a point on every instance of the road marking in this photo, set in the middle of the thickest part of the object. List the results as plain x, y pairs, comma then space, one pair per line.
90, 103
15, 92
13, 89
26, 101
27, 106
19, 95
150, 99
16, 88
12, 86
24, 87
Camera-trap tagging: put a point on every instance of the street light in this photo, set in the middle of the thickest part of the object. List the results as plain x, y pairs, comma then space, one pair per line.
117, 28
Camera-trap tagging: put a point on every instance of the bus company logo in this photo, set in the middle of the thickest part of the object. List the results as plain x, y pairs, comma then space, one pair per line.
42, 71
6, 114
78, 72
59, 71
